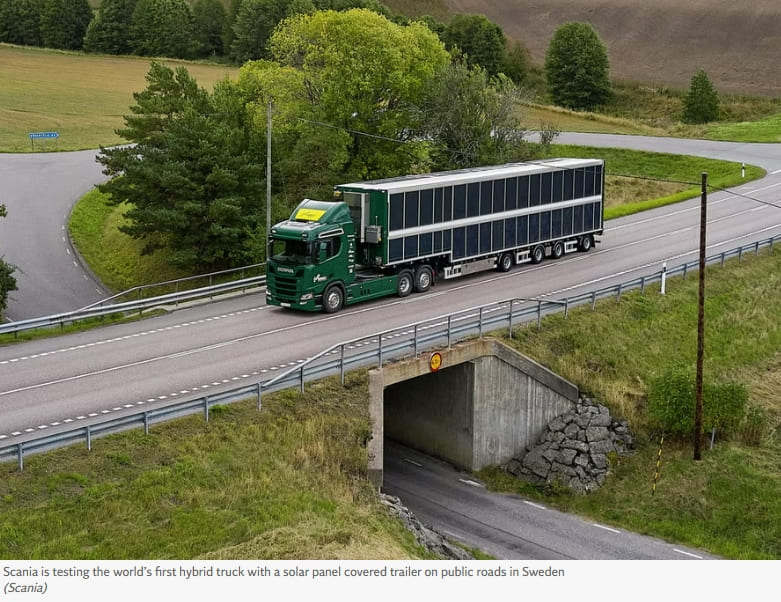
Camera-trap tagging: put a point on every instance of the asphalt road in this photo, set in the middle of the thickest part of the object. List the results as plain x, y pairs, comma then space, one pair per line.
39, 191
509, 527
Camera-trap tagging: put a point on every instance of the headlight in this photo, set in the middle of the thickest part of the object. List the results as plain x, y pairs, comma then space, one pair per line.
306, 297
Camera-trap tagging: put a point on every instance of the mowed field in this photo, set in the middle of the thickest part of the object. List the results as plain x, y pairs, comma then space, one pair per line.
659, 43
82, 97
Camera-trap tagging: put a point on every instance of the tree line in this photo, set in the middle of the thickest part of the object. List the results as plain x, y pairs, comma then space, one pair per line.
205, 28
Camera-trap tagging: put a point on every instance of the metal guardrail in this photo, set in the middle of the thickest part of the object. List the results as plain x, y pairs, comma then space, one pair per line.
373, 350
111, 306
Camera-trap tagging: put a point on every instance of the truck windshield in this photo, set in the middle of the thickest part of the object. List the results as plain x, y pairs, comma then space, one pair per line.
292, 252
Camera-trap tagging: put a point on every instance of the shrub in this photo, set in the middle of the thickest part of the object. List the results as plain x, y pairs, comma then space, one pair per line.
701, 104
671, 403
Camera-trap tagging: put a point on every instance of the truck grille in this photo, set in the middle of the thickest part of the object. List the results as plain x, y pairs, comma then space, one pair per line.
284, 288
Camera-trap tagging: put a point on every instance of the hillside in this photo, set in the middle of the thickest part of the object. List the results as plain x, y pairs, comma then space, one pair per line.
658, 43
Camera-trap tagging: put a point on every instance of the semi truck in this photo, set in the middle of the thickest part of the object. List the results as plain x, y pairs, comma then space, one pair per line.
397, 236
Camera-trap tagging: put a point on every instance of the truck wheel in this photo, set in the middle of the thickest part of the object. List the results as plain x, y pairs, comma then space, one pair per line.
558, 249
404, 286
424, 278
585, 243
333, 299
538, 254
505, 262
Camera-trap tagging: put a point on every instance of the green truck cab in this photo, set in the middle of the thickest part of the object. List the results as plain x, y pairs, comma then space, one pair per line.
312, 261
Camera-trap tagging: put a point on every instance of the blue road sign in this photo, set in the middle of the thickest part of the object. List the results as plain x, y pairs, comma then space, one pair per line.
34, 135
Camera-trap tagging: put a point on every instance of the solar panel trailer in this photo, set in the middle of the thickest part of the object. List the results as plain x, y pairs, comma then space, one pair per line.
397, 235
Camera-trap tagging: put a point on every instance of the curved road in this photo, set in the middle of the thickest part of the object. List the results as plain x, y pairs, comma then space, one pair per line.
39, 191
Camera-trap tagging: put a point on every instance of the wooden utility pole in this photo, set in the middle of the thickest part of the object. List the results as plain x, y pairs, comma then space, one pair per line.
700, 323
268, 180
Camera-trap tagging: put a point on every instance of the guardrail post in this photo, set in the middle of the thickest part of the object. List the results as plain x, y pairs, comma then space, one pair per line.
302, 378
480, 324
449, 320
685, 270
206, 408
510, 320
146, 423
593, 300
566, 307
722, 258
618, 293
379, 350
539, 315
756, 248
740, 254
341, 363
20, 454
260, 387
642, 285
415, 340
89, 438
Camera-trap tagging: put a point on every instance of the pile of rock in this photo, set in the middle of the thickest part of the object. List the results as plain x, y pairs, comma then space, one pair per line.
574, 449
425, 536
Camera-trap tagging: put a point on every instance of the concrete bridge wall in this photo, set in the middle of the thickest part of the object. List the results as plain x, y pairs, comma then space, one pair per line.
485, 405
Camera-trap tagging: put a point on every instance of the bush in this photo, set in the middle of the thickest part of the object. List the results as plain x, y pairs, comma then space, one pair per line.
671, 403
701, 104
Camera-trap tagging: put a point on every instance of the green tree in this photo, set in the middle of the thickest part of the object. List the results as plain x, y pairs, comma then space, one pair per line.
109, 31
190, 179
163, 28
481, 40
701, 103
210, 18
356, 76
471, 119
255, 21
577, 67
64, 23
7, 280
20, 22
515, 62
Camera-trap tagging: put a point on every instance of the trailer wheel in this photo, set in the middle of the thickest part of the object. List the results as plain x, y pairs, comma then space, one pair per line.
333, 299
538, 254
505, 262
585, 243
404, 286
558, 249
424, 278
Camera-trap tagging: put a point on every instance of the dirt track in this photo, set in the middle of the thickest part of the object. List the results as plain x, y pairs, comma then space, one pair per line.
659, 42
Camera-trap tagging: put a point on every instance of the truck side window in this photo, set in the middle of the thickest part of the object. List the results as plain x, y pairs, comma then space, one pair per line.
327, 248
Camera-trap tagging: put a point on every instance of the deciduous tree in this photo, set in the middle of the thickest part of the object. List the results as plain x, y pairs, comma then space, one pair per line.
64, 23
577, 67
701, 103
109, 31
358, 72
163, 28
481, 40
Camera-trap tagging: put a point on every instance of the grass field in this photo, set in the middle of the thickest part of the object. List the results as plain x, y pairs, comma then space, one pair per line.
82, 97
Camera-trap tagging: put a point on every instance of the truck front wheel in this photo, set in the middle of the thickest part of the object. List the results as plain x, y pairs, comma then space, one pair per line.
333, 299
